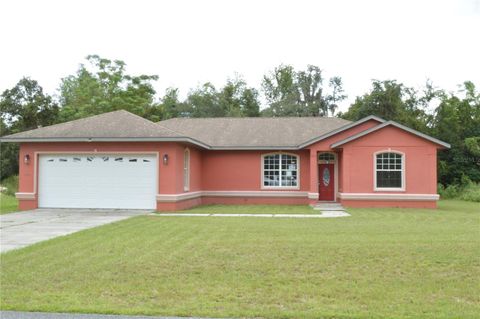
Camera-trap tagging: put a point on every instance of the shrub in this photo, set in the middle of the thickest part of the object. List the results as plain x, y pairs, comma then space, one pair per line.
471, 193
467, 190
10, 184
449, 192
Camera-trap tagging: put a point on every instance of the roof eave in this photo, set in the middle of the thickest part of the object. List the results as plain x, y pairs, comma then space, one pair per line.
252, 148
103, 139
340, 129
393, 123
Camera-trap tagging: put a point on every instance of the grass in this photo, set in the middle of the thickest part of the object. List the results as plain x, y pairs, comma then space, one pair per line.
10, 185
8, 204
378, 263
250, 209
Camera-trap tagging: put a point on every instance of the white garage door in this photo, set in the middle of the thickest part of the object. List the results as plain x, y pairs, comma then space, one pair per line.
97, 181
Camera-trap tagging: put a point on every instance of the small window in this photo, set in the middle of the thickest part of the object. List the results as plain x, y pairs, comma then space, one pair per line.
186, 170
105, 158
389, 172
76, 159
132, 160
90, 158
51, 160
146, 161
63, 160
280, 170
329, 157
119, 159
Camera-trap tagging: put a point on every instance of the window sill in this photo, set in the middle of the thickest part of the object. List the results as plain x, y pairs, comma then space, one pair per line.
279, 188
389, 189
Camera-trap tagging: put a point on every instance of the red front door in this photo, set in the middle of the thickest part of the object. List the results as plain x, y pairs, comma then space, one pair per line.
326, 185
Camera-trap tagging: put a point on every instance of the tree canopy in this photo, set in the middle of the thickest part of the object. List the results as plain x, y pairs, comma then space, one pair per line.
102, 85
300, 93
24, 107
235, 99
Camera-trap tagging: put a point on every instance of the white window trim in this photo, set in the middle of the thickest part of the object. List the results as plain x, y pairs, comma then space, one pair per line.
186, 170
279, 187
403, 170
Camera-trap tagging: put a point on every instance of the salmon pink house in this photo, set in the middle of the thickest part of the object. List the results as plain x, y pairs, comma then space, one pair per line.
120, 160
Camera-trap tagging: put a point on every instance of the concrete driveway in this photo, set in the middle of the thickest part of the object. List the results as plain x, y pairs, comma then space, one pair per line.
21, 229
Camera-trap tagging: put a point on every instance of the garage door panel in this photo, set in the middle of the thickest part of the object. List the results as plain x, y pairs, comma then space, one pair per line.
98, 181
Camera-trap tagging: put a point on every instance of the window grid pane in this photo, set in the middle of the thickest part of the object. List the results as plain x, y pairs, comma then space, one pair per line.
326, 157
389, 170
280, 170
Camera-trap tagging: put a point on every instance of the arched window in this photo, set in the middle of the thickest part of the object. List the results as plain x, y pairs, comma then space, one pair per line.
280, 171
390, 171
186, 170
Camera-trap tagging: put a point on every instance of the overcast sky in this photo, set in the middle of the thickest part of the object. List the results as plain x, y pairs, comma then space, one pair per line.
188, 43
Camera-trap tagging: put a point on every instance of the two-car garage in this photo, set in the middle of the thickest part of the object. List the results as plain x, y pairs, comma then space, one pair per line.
120, 181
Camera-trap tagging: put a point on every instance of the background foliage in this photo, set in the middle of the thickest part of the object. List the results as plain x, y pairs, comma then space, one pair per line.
102, 85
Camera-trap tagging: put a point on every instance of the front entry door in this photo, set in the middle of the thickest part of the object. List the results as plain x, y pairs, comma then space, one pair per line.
326, 184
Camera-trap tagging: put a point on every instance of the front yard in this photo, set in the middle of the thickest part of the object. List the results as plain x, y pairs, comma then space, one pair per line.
8, 204
378, 263
251, 209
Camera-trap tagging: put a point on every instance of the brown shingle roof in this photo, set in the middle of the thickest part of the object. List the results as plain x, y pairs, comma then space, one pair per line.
216, 133
117, 124
254, 132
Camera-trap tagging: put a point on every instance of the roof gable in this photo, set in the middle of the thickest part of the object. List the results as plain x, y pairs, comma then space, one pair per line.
341, 129
386, 124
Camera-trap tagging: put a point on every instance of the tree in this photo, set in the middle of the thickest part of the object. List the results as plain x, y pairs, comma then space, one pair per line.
8, 154
336, 96
391, 101
457, 121
238, 100
171, 105
104, 86
310, 95
234, 99
250, 103
24, 107
292, 93
203, 102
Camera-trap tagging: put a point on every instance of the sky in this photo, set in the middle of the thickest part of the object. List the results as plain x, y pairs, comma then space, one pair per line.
187, 43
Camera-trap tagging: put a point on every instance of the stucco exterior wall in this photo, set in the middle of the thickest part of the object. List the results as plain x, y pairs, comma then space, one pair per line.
242, 170
420, 161
209, 170
420, 164
195, 169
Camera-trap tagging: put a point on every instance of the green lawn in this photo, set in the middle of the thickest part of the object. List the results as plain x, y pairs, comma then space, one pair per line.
378, 263
8, 204
250, 209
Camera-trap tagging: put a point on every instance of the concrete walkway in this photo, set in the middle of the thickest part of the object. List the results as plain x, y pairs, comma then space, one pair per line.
21, 229
327, 214
45, 315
